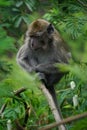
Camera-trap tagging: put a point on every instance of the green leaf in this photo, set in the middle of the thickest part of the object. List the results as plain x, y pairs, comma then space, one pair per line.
67, 106
5, 3
2, 33
26, 19
6, 43
5, 90
15, 10
29, 6
80, 125
18, 21
19, 3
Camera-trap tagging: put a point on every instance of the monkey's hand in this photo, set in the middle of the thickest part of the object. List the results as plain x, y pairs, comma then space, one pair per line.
42, 77
47, 68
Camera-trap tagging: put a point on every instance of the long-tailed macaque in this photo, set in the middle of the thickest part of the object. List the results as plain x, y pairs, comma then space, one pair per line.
43, 47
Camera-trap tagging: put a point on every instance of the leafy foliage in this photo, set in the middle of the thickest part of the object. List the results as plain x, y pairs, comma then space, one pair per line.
17, 15
83, 125
70, 18
6, 42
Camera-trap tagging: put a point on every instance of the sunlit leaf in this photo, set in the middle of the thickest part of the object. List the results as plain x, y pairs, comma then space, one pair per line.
18, 21
19, 3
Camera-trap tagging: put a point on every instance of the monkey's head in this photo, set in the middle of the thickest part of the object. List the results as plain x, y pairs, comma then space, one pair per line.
40, 33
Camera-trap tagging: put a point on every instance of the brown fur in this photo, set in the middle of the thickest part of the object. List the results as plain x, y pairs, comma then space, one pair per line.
37, 26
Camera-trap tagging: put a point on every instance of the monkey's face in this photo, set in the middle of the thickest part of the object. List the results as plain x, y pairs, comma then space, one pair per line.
35, 42
40, 33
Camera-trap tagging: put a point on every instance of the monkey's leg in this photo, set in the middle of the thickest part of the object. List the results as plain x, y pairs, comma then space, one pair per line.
51, 98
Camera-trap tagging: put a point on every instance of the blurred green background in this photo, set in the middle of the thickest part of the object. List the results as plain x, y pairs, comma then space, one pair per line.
70, 18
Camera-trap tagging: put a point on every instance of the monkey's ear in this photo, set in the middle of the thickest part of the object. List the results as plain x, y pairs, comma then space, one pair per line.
50, 29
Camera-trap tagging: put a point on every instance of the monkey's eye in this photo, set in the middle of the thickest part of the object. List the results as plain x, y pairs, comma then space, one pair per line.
34, 36
50, 29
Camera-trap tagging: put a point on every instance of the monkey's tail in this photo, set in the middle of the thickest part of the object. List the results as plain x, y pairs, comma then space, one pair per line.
53, 94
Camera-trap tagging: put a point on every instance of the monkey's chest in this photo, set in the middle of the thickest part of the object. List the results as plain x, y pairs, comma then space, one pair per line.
45, 58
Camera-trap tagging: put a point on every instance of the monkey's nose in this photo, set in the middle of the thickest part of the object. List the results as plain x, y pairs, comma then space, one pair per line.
32, 44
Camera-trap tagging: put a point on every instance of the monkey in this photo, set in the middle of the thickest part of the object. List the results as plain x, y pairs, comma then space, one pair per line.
44, 47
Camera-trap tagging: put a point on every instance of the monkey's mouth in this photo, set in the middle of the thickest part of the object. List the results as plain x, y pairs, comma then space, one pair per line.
36, 49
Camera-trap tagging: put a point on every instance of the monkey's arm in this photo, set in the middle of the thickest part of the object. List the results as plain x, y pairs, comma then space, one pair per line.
23, 58
47, 68
51, 68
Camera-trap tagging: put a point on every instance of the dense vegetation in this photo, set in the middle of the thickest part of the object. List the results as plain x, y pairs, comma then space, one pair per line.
70, 19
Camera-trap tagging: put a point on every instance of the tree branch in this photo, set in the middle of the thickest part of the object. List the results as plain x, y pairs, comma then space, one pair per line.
3, 108
52, 106
18, 125
64, 121
17, 92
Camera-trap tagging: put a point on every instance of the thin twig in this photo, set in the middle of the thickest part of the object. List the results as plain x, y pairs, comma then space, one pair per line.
3, 108
17, 92
64, 121
19, 126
